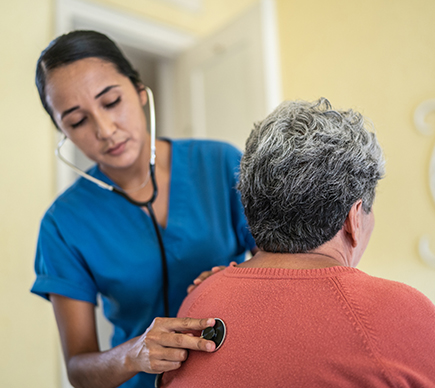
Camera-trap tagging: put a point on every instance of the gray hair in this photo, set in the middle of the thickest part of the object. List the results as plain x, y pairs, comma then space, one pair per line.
304, 167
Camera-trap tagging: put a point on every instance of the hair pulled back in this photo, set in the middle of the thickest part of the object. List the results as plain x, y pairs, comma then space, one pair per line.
74, 46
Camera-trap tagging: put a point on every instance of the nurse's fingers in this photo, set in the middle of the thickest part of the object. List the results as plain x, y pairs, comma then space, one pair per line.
183, 341
204, 275
183, 324
160, 366
166, 332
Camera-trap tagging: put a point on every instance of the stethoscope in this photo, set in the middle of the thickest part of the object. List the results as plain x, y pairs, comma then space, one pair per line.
122, 193
216, 333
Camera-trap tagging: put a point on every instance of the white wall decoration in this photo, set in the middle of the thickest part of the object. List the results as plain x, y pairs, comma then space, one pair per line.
420, 114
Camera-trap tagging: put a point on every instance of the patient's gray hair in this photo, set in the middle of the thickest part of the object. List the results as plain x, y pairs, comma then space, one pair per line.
304, 167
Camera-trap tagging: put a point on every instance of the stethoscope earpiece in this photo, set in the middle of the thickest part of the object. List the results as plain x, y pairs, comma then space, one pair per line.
216, 333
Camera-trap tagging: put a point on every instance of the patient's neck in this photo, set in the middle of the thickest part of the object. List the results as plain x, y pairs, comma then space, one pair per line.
309, 260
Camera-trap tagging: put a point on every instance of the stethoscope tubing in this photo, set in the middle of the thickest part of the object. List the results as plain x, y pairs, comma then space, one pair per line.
147, 204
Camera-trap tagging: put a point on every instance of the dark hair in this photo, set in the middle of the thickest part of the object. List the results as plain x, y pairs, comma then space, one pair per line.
74, 46
304, 167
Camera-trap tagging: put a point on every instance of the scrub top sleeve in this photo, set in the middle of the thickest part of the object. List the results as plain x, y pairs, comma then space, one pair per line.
59, 267
240, 224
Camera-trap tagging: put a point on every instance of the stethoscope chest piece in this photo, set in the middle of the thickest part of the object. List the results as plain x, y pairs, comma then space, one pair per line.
216, 333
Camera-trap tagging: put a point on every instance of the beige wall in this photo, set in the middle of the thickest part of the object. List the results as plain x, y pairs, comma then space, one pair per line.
27, 335
377, 56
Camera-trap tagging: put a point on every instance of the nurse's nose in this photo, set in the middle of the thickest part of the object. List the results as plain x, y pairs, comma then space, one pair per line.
105, 127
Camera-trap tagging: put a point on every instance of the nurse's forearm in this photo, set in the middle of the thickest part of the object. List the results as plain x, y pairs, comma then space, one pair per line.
100, 369
161, 348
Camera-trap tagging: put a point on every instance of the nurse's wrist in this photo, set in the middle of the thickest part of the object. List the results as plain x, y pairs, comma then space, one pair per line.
129, 358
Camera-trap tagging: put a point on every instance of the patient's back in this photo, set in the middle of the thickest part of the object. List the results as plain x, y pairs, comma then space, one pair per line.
331, 327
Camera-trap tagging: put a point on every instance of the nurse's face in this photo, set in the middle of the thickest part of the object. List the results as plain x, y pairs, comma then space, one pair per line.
100, 110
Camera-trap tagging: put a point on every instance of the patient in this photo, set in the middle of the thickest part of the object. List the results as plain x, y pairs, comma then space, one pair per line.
298, 314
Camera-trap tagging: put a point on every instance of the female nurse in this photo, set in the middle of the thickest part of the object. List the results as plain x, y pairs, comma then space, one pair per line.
93, 241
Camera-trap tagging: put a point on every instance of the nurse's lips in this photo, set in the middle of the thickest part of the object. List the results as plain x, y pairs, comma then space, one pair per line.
117, 149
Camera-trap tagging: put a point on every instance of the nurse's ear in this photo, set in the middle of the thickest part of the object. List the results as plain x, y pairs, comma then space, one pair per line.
142, 94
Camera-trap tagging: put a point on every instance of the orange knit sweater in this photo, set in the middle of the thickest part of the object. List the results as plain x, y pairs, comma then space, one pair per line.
332, 327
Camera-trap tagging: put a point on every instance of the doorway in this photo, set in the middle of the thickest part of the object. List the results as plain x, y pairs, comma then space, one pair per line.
193, 80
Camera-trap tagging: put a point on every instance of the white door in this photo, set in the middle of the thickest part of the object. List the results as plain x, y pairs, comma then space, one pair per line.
229, 80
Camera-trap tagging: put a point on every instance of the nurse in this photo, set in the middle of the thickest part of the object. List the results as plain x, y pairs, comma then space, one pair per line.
93, 241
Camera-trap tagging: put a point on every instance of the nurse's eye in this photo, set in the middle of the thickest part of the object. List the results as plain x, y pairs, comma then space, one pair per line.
113, 103
78, 123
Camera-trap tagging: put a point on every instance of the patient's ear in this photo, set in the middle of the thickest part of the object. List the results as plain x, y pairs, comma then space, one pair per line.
352, 224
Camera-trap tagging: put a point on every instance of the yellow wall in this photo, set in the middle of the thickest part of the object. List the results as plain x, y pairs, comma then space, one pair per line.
377, 56
211, 15
29, 349
27, 334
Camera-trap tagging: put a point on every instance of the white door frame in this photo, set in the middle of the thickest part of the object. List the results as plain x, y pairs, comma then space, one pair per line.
271, 56
140, 33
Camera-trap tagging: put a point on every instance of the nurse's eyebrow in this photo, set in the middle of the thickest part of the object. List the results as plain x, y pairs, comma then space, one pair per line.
105, 90
68, 111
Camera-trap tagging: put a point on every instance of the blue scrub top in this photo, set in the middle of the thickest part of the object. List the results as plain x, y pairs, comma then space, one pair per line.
94, 241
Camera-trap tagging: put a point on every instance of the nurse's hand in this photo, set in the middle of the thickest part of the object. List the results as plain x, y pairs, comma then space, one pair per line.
161, 348
164, 346
205, 275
